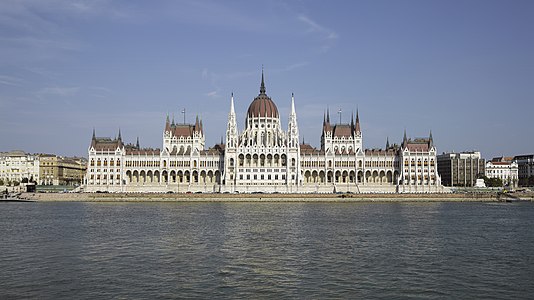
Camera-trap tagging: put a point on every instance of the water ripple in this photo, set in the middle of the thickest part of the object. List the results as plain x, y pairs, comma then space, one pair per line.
266, 250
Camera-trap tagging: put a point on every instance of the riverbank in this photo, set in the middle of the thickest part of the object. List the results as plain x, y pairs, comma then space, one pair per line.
151, 197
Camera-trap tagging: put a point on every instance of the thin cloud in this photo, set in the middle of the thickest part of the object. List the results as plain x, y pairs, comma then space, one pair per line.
10, 80
213, 94
327, 35
59, 91
315, 27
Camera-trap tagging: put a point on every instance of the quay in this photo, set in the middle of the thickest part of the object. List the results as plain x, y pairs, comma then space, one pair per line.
260, 197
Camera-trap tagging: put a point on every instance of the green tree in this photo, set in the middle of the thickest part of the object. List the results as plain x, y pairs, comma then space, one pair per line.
493, 182
1, 182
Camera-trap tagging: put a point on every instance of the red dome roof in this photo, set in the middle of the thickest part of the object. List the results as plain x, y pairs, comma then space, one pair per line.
262, 106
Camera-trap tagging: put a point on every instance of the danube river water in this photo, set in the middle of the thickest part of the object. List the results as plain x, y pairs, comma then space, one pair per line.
266, 250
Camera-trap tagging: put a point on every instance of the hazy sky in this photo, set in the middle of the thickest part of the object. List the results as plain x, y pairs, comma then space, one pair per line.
463, 69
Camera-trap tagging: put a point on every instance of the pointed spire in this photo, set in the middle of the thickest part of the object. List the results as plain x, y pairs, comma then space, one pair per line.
405, 139
221, 139
197, 125
358, 129
262, 87
137, 143
387, 143
167, 123
119, 138
173, 120
430, 139
232, 111
327, 115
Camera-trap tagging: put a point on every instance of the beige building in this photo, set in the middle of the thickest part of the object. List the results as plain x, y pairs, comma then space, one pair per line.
58, 170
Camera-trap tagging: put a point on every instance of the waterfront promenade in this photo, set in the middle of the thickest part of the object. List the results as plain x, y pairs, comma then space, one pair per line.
155, 197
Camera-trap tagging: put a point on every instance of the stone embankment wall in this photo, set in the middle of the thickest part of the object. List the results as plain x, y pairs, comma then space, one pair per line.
146, 197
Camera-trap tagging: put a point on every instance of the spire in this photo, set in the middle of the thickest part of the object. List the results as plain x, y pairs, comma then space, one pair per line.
387, 143
405, 139
201, 126
167, 123
94, 134
327, 115
358, 129
119, 138
137, 143
262, 87
173, 120
430, 140
197, 125
232, 111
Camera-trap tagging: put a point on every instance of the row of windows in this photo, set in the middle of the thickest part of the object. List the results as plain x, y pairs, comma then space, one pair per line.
312, 164
104, 170
419, 177
262, 177
262, 170
406, 163
419, 170
142, 163
105, 177
345, 164
179, 163
105, 162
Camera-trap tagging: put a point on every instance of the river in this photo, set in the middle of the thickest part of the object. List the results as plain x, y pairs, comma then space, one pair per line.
150, 250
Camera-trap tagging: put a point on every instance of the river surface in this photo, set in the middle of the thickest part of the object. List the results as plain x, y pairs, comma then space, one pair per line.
266, 250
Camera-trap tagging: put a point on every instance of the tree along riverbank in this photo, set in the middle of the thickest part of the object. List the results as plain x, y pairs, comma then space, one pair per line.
148, 197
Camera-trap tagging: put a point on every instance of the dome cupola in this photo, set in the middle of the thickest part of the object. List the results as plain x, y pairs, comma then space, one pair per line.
262, 106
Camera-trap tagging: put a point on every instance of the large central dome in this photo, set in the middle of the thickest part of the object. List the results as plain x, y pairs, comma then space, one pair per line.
262, 106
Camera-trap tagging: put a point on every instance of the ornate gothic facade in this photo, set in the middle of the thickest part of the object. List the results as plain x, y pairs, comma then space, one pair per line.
262, 158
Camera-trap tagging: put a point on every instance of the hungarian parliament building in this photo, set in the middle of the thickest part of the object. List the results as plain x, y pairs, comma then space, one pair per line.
262, 158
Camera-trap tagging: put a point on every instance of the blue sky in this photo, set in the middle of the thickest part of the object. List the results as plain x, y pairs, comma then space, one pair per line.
463, 69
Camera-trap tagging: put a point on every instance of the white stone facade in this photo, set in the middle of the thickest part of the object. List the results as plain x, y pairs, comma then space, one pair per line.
17, 165
263, 158
505, 170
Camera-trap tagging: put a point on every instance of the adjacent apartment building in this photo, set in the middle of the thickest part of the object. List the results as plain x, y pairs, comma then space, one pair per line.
460, 169
504, 168
525, 163
18, 166
58, 170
